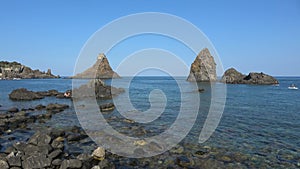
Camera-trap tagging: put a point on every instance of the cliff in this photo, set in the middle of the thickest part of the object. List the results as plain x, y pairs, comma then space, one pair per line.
100, 70
203, 69
10, 70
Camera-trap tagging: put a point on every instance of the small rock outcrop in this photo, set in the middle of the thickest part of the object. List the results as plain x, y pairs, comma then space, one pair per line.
101, 91
26, 95
100, 70
11, 70
232, 76
203, 69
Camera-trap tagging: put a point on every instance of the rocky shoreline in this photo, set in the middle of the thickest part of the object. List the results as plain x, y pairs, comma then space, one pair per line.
15, 70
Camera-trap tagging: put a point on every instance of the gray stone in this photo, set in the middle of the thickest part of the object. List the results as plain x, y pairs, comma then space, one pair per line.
72, 163
40, 139
203, 69
55, 153
33, 162
3, 164
57, 162
13, 160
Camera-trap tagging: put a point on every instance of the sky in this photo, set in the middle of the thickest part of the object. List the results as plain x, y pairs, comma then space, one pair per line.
249, 35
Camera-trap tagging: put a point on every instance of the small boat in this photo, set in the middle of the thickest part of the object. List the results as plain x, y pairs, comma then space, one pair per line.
293, 87
16, 78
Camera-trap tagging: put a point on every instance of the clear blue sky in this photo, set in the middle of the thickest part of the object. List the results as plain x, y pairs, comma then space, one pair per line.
250, 35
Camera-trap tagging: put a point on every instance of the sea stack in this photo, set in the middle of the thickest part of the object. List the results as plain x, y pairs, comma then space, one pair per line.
232, 76
100, 70
203, 69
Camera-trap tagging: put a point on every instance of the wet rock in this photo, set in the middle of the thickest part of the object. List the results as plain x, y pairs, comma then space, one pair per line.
13, 110
107, 107
72, 163
201, 90
36, 162
55, 133
76, 137
56, 106
183, 161
24, 94
203, 152
99, 153
177, 149
13, 160
40, 107
3, 164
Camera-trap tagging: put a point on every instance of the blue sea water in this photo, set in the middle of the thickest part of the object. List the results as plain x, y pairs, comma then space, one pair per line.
260, 121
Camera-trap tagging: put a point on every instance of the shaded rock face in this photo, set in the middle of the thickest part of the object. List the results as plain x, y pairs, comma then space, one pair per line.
203, 69
10, 70
100, 70
232, 76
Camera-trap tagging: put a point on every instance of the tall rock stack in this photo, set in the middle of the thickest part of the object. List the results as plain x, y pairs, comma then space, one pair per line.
203, 69
101, 70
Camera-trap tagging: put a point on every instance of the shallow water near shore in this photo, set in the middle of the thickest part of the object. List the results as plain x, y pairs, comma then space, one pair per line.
260, 126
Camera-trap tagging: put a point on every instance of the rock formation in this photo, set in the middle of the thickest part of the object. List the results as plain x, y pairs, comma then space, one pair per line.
10, 70
100, 70
232, 76
203, 69
101, 91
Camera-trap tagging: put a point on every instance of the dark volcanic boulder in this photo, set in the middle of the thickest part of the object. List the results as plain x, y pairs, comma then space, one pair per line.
203, 69
232, 76
24, 94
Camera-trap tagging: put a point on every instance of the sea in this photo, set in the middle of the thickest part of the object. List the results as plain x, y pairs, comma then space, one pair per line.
259, 126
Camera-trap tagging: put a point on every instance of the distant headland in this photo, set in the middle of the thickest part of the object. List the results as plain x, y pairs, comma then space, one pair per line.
15, 70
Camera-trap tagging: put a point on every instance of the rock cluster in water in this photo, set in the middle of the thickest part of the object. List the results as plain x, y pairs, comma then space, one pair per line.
11, 70
203, 69
96, 88
100, 70
24, 94
232, 76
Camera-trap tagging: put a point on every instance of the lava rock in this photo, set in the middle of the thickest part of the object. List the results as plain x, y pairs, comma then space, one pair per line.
24, 94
